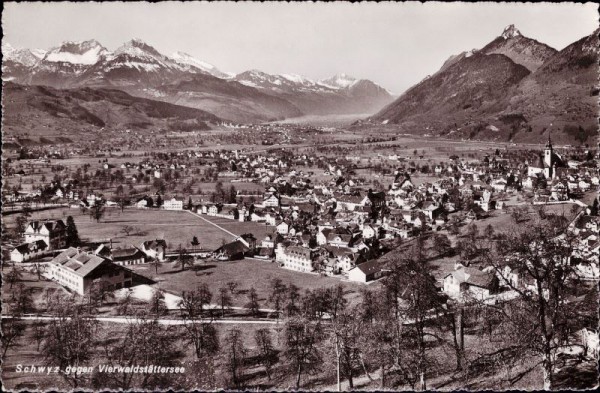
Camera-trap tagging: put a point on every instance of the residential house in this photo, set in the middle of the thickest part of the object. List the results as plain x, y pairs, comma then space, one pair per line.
28, 251
154, 249
173, 204
272, 201
231, 251
467, 282
365, 272
368, 232
283, 228
297, 258
128, 256
53, 233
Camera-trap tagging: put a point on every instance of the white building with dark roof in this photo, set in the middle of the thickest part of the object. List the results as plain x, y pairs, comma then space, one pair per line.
27, 251
77, 270
53, 233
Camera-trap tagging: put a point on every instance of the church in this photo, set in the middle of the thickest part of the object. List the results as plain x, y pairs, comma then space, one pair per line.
548, 163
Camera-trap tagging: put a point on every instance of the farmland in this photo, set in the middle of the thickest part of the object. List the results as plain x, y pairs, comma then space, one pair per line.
176, 227
249, 273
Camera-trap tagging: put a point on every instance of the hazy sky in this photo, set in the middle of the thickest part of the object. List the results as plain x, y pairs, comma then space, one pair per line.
393, 44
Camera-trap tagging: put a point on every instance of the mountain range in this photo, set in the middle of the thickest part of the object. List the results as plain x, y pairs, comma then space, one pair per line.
513, 89
140, 70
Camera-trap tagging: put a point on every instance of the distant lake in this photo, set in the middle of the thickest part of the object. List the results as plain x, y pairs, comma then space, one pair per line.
325, 120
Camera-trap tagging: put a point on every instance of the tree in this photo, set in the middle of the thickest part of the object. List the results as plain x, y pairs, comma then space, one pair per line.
203, 336
472, 232
97, 210
22, 300
386, 341
302, 339
235, 352
347, 330
159, 201
453, 228
266, 351
442, 244
157, 303
13, 276
122, 202
232, 194
99, 292
413, 287
519, 214
183, 258
145, 342
488, 232
469, 251
293, 298
224, 300
319, 266
278, 293
195, 243
156, 263
26, 211
12, 329
233, 285
70, 339
253, 302
125, 303
219, 191
20, 225
593, 210
39, 269
540, 320
127, 229
190, 205
38, 332
192, 303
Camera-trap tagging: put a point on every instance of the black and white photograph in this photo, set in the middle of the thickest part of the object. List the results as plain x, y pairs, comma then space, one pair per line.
300, 196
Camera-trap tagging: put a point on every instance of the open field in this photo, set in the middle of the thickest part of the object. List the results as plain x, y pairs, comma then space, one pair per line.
176, 227
248, 273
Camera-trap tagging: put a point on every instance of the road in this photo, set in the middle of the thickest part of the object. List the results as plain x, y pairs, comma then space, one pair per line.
161, 321
213, 224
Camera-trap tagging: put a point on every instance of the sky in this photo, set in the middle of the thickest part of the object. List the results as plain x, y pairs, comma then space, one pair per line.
394, 44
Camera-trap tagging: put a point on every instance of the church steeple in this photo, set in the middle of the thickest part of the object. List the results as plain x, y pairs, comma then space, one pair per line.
548, 153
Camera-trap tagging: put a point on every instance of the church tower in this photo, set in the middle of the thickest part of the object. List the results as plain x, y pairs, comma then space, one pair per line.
548, 154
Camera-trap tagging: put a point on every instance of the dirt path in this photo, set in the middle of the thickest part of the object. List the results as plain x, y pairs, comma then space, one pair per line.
213, 224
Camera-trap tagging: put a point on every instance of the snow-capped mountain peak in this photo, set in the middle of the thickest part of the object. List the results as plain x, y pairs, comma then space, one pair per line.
82, 52
510, 32
184, 58
39, 53
298, 79
188, 60
7, 48
137, 47
23, 56
339, 81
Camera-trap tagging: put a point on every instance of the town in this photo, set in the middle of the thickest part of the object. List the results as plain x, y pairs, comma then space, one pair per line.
153, 227
247, 197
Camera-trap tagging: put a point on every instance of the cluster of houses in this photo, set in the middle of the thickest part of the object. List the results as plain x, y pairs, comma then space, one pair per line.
339, 227
41, 238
